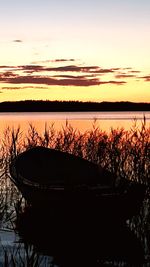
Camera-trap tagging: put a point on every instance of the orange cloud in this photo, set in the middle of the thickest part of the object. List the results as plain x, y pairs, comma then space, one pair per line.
83, 75
146, 78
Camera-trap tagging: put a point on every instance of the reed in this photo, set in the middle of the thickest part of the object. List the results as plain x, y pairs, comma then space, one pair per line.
24, 255
125, 153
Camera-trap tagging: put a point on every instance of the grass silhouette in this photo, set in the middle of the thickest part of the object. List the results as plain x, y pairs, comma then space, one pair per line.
125, 153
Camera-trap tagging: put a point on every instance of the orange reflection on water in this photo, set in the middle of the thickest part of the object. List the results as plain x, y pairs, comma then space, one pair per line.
79, 121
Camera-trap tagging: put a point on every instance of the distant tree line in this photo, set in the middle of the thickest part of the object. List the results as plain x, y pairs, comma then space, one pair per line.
53, 106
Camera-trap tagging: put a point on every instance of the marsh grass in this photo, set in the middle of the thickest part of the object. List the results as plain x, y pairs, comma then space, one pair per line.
24, 255
126, 153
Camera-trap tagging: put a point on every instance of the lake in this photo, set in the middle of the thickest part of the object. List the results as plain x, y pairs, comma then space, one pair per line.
79, 120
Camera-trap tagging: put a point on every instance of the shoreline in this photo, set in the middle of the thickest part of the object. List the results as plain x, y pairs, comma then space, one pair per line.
72, 106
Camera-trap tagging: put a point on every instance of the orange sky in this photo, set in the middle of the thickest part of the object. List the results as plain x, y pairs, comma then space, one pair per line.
75, 50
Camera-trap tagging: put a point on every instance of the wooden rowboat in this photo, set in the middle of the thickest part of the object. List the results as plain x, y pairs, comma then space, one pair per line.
48, 177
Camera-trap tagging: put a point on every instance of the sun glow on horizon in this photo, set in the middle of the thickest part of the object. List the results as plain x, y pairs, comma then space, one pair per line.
86, 51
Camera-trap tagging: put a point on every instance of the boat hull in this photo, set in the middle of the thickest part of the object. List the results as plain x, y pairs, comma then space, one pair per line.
84, 197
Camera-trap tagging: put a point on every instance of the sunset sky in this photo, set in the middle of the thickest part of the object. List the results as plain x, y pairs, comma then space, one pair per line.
88, 50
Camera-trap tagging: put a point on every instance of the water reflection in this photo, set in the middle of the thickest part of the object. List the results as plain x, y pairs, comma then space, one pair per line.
71, 238
79, 241
79, 120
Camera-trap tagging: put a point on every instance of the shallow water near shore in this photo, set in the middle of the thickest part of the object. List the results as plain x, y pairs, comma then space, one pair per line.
81, 121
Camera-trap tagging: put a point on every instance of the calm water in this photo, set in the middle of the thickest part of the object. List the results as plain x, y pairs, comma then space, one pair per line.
79, 120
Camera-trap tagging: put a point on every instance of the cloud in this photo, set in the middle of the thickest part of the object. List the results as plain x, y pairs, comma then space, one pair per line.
42, 80
68, 68
31, 68
75, 68
74, 76
8, 74
63, 60
134, 71
49, 81
13, 88
17, 41
22, 87
121, 76
146, 78
7, 67
72, 68
58, 60
103, 71
127, 68
63, 75
114, 82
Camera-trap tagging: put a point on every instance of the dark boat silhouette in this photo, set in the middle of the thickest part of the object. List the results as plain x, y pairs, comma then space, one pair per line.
59, 180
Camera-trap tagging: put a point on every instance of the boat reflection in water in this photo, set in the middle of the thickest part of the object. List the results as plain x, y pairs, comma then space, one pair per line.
74, 239
77, 211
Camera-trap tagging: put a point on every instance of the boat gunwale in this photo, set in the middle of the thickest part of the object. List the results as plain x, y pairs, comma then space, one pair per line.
100, 190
